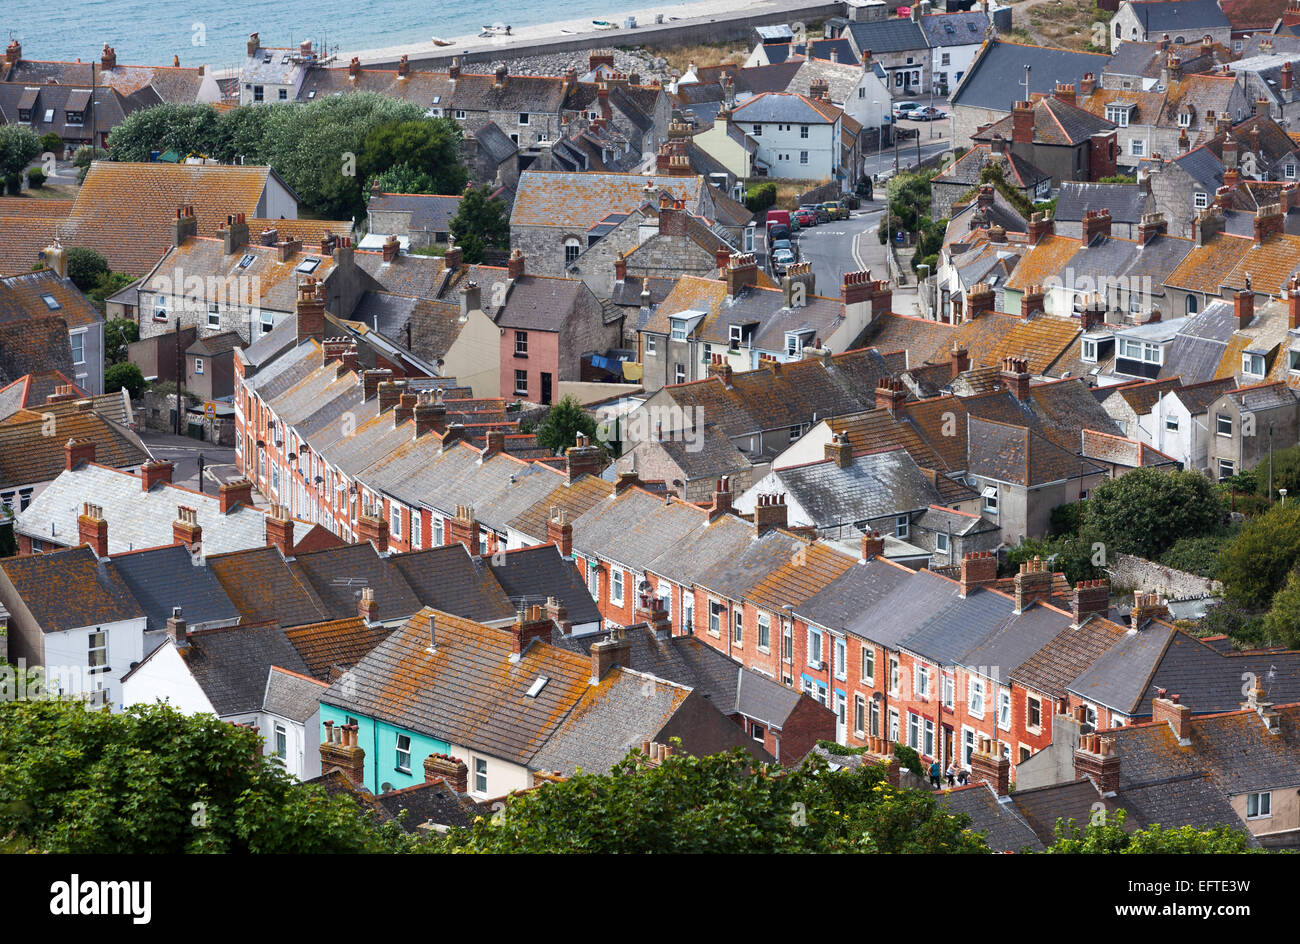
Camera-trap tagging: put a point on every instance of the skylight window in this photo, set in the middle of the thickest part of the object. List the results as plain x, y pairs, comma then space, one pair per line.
308, 266
535, 689
49, 115
247, 261
51, 302
311, 94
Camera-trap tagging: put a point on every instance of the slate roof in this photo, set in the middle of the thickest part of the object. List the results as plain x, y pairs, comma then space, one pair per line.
429, 212
531, 574
23, 297
890, 35
1004, 829
540, 303
1019, 172
232, 665
31, 390
216, 344
787, 107
966, 28
166, 577
1120, 677
426, 803
1055, 123
137, 519
726, 557
33, 346
28, 454
634, 528
468, 691
1019, 456
1182, 16
798, 580
448, 578
995, 80
291, 695
874, 485
1126, 202
1209, 680
339, 574
70, 589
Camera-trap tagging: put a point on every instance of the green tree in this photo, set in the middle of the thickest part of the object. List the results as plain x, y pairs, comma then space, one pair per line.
185, 129
86, 267
153, 780
83, 157
118, 333
1109, 836
1145, 511
1282, 624
425, 146
51, 143
1255, 564
402, 178
110, 284
19, 146
480, 224
564, 421
124, 374
720, 804
36, 178
1196, 555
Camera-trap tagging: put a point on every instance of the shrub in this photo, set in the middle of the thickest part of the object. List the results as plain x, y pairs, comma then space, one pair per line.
86, 267
36, 178
124, 374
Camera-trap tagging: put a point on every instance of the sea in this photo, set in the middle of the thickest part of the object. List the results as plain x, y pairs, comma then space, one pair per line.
215, 33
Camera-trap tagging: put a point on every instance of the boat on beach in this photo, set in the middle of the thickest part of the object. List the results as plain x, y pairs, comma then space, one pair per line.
496, 29
439, 41
604, 24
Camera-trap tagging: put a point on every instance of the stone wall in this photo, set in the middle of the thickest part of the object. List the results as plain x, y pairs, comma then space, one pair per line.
1151, 577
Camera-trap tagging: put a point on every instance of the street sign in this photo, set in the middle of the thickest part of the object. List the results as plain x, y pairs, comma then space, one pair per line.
210, 410
898, 238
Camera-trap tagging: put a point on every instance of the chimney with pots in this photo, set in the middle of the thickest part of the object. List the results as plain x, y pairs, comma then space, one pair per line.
430, 415
1207, 224
339, 749
989, 764
559, 531
720, 367
1269, 222
1033, 583
1040, 225
959, 357
1088, 84
742, 272
721, 498
582, 459
464, 529
450, 770
979, 299
279, 530
515, 265
309, 310
615, 650
1015, 377
978, 569
368, 606
372, 527
891, 395
1022, 123
1293, 305
1090, 598
391, 247
1146, 606
92, 529
1151, 226
471, 298
1065, 92
1095, 223
185, 226
1031, 302
177, 631
558, 614
405, 408
1095, 758
770, 513
388, 393
873, 545
839, 450
186, 529
234, 236
370, 381
451, 259
530, 623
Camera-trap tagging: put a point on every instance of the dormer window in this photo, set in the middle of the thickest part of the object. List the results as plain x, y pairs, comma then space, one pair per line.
1252, 365
678, 329
1185, 120
25, 115
1288, 171
793, 345
1119, 114
736, 335
1293, 360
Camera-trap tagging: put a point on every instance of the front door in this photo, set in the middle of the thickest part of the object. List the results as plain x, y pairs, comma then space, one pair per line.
947, 745
546, 388
841, 717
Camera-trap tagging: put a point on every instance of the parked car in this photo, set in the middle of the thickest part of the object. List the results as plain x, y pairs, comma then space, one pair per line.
846, 205
905, 109
928, 113
782, 244
834, 211
777, 231
807, 216
782, 259
823, 215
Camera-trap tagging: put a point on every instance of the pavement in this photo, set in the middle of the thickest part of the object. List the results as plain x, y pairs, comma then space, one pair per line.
218, 461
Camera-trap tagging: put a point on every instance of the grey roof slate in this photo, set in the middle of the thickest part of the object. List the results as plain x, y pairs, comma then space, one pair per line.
530, 575
996, 80
1210, 680
1179, 16
1126, 202
872, 486
1203, 166
1004, 829
890, 35
430, 213
1120, 678
291, 696
232, 665
166, 577
449, 579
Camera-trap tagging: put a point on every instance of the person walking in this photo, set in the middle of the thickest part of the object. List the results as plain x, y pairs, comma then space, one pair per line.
935, 771
952, 774
963, 776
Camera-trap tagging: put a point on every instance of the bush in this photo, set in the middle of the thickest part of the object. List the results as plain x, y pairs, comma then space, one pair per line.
1196, 555
1146, 511
126, 375
86, 267
1254, 564
51, 143
36, 178
758, 199
1067, 519
14, 184
909, 760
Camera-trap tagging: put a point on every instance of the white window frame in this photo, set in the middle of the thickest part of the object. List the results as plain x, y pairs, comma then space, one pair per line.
416, 528
401, 753
1247, 365
480, 769
948, 686
214, 315
1219, 420
840, 649
1262, 803
990, 499
975, 697
941, 542
814, 644
1201, 200
1137, 147
198, 365
616, 580
78, 342
97, 651
280, 742
895, 675
868, 664
737, 626
651, 345
764, 632
1004, 709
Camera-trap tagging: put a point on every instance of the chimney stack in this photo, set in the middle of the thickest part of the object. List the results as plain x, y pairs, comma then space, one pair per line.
368, 606
1243, 309
1031, 302
1039, 226
721, 498
450, 770
531, 623
1146, 606
92, 529
309, 310
279, 530
989, 764
155, 472
559, 531
582, 459
372, 527
463, 529
1095, 758
1177, 716
1022, 123
234, 236
430, 414
1090, 597
873, 545
1033, 583
1269, 222
979, 299
1151, 226
1015, 376
742, 272
186, 225
340, 749
237, 492
770, 513
959, 357
77, 451
177, 631
839, 450
978, 569
186, 529
515, 265
891, 395
1095, 223
615, 650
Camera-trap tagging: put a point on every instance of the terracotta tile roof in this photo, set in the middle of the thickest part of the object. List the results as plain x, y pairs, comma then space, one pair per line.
264, 589
23, 239
579, 200
25, 297
125, 210
1019, 456
32, 208
1268, 265
332, 647
32, 346
309, 231
1206, 268
1044, 261
574, 500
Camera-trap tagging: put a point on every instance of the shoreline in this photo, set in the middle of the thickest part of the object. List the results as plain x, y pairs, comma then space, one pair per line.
582, 32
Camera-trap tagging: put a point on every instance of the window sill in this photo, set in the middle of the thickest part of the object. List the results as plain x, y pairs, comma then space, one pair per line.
522, 357
402, 770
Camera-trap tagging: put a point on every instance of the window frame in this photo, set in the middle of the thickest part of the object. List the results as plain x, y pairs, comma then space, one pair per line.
521, 383
480, 772
399, 752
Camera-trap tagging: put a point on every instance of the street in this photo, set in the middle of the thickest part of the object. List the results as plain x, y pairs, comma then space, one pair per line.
842, 246
219, 461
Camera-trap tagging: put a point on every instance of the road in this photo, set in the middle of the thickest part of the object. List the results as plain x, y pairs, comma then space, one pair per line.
218, 461
836, 247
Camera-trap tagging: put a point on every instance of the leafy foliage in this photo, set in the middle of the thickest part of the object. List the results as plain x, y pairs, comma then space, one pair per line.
36, 178
1147, 510
51, 143
19, 146
758, 199
1070, 554
720, 804
1196, 555
124, 374
909, 759
1282, 624
564, 421
118, 333
909, 204
481, 223
319, 148
1254, 565
85, 267
1109, 836
152, 780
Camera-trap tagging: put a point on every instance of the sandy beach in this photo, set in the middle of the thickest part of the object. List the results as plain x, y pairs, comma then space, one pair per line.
701, 11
